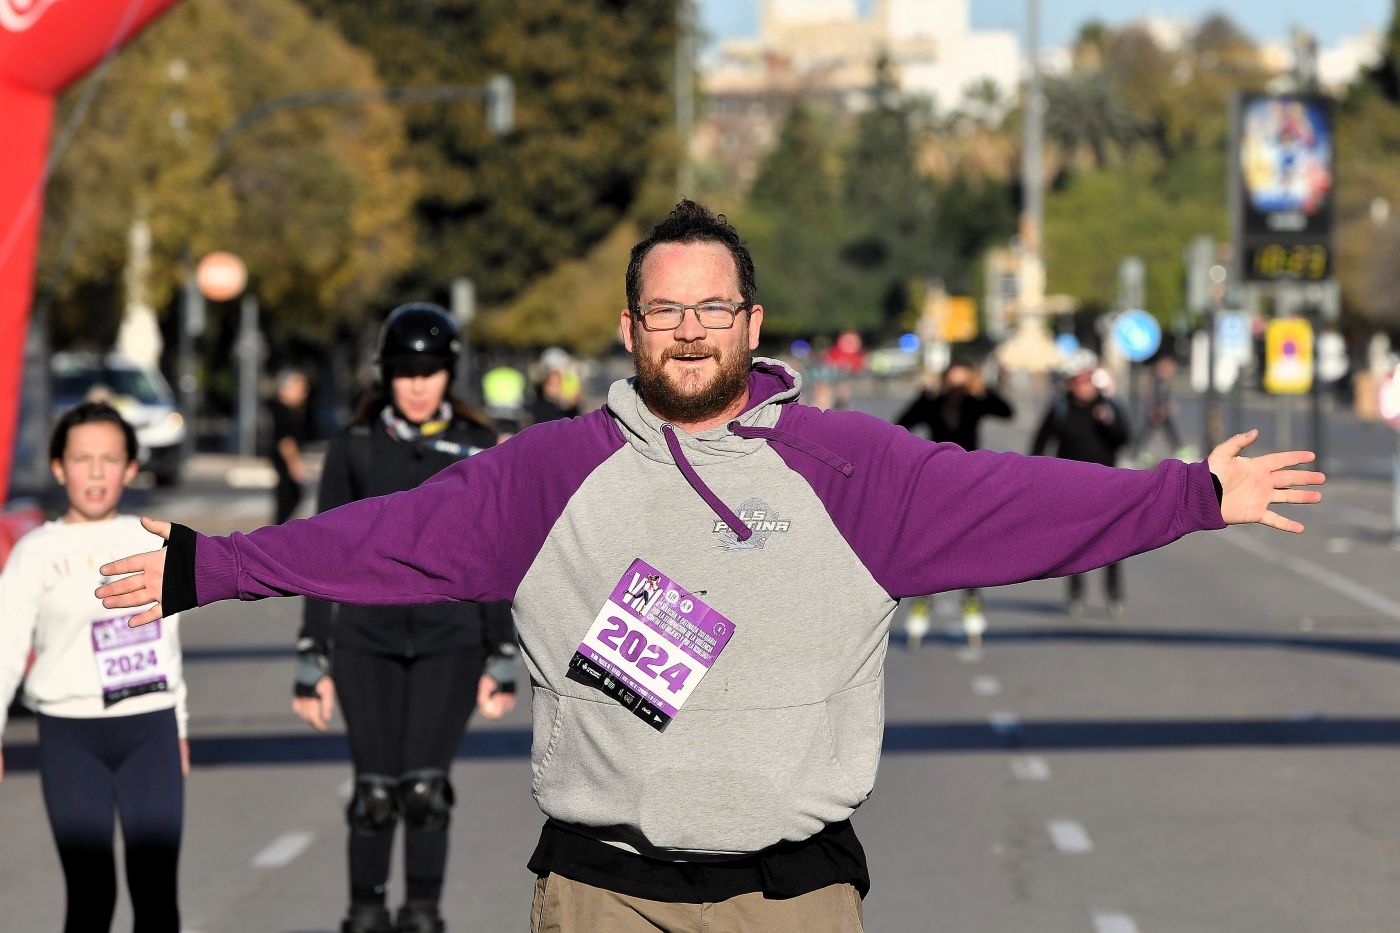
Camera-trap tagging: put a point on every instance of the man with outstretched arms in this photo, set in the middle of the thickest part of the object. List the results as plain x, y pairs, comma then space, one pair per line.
703, 575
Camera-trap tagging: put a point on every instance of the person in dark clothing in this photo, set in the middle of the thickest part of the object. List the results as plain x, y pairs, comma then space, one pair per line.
1162, 408
288, 437
407, 676
955, 413
954, 416
550, 403
1085, 424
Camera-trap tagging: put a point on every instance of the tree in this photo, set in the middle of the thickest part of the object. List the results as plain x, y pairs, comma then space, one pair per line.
315, 201
887, 204
1085, 116
793, 220
593, 101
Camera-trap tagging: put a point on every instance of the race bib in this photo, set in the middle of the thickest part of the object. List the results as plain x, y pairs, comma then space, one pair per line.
129, 660
650, 645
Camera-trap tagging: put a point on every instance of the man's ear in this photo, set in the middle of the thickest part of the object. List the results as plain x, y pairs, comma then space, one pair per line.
624, 328
58, 473
755, 325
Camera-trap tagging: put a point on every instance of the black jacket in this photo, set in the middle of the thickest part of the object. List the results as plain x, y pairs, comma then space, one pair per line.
954, 418
364, 461
1079, 435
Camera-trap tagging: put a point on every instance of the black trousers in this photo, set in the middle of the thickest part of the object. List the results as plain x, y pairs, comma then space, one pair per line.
403, 715
288, 494
92, 769
1113, 583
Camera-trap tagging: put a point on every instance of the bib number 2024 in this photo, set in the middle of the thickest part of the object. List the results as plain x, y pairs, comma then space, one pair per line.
634, 646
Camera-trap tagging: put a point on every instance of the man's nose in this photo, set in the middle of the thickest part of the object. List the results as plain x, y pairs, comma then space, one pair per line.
691, 328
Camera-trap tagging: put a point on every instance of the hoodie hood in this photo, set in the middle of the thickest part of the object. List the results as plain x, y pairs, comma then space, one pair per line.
772, 384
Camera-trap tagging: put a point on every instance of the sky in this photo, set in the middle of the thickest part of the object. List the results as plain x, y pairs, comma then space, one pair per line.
1264, 20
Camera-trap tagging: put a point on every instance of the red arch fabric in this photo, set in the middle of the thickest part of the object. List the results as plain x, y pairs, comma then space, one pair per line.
45, 45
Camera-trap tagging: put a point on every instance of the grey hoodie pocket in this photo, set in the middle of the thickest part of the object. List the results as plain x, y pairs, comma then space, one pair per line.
718, 780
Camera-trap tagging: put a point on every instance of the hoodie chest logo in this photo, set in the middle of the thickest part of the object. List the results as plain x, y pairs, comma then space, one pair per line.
760, 518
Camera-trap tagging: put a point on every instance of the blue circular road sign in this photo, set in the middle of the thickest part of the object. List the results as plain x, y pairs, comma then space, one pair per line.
1137, 335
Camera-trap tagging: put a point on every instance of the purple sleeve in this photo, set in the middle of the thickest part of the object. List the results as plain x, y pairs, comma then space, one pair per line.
925, 518
470, 532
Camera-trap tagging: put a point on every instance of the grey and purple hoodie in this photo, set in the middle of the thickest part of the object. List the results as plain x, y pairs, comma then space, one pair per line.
804, 527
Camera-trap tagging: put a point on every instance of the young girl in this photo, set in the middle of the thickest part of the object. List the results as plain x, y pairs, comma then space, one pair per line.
110, 699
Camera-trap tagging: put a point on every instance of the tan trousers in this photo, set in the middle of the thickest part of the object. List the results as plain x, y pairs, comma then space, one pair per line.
565, 906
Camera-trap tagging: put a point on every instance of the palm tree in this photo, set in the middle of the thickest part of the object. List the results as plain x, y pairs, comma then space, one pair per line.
1084, 113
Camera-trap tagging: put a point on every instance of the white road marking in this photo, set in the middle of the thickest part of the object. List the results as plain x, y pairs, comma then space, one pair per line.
1364, 518
986, 686
1114, 923
1337, 545
1030, 768
1069, 836
1340, 583
1003, 722
282, 850
346, 789
969, 654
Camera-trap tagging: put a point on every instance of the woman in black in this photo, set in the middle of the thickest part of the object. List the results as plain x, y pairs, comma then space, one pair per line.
953, 416
407, 676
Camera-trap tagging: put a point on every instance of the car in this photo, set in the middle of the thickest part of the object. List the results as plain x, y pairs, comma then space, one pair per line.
142, 396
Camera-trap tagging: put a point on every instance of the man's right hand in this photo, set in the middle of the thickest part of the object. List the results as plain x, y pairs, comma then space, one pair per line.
317, 710
144, 585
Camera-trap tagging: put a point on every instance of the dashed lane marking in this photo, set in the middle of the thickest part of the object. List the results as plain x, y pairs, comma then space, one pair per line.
1340, 583
282, 850
986, 686
1069, 836
1114, 923
1030, 768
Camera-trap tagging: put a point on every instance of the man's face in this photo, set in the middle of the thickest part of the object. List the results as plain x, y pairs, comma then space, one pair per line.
1082, 387
691, 375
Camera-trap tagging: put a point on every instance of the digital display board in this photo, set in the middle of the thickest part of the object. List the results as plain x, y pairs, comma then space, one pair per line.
1283, 186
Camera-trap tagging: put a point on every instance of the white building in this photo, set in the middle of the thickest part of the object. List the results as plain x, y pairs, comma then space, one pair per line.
825, 51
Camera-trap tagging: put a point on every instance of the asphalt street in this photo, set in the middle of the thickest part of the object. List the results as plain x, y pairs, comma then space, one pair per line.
1220, 759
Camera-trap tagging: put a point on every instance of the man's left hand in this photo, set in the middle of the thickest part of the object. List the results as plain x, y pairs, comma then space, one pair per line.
1252, 484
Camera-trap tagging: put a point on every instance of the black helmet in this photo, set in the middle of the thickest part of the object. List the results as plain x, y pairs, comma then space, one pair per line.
418, 338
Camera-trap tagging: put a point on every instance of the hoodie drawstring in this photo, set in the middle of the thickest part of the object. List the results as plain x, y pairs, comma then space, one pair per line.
735, 524
788, 439
771, 435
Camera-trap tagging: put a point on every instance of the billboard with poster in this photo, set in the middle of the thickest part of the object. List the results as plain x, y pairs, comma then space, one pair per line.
1283, 186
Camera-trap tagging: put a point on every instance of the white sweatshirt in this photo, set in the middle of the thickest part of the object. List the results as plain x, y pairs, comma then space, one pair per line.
88, 663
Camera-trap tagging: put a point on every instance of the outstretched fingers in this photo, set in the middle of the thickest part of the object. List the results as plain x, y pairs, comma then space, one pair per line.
121, 587
1295, 497
1285, 479
133, 564
150, 615
1274, 520
1284, 459
1233, 445
131, 598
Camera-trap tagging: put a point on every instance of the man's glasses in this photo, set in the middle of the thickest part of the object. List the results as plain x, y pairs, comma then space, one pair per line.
712, 315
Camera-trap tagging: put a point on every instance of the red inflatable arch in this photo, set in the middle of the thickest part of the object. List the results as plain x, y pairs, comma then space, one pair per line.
45, 45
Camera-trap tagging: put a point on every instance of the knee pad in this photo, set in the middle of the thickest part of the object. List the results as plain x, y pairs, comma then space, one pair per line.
374, 805
426, 797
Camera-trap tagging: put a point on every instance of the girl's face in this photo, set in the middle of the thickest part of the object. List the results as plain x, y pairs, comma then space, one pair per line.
418, 397
94, 471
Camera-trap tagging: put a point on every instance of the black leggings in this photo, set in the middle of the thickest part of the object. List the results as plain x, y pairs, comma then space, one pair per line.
93, 768
403, 716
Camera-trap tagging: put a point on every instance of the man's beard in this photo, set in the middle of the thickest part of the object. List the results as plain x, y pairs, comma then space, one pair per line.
670, 401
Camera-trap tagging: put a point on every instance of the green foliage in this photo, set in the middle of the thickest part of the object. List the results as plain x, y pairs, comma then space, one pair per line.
592, 100
316, 202
1144, 208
